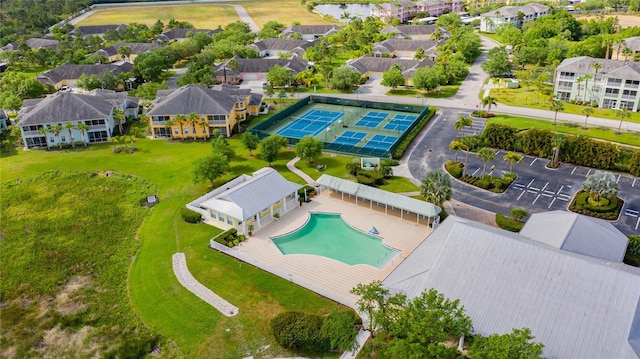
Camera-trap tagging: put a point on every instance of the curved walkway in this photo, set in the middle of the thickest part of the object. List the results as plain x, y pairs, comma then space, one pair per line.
187, 280
291, 166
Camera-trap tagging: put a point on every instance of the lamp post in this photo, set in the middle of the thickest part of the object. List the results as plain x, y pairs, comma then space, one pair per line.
421, 99
326, 137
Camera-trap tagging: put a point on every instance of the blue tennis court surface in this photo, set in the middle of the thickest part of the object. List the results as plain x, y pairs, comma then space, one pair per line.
350, 138
381, 142
372, 119
311, 123
400, 122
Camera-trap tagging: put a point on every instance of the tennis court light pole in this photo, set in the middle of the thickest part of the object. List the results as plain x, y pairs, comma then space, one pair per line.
326, 137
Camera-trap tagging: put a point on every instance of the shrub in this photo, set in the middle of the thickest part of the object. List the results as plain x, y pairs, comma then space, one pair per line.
389, 162
296, 330
226, 238
580, 204
339, 327
190, 216
484, 182
508, 224
454, 168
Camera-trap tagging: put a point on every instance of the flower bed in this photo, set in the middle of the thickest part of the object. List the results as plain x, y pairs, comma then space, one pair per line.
609, 211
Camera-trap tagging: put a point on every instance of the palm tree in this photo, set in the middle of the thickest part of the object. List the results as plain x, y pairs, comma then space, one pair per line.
345, 16
118, 115
579, 81
627, 53
468, 143
486, 155
69, 127
436, 187
193, 119
607, 41
619, 43
596, 66
83, 128
179, 119
512, 158
587, 111
45, 131
488, 101
56, 129
456, 146
587, 77
205, 126
462, 123
556, 106
233, 66
557, 142
623, 114
353, 167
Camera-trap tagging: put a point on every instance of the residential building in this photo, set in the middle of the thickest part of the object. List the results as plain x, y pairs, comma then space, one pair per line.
374, 67
309, 32
68, 74
111, 52
221, 110
249, 200
407, 10
33, 43
405, 49
414, 32
4, 120
474, 4
256, 69
179, 35
94, 109
615, 84
276, 47
514, 15
95, 30
630, 43
561, 277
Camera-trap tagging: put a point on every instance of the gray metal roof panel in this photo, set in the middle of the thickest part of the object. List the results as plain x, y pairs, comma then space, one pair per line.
66, 107
192, 98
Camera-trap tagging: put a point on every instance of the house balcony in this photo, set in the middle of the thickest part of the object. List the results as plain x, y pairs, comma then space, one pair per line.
561, 77
565, 88
33, 133
216, 122
158, 123
628, 97
97, 127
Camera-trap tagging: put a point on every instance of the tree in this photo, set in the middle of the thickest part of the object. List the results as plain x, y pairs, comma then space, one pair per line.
587, 111
279, 76
193, 118
83, 128
558, 141
210, 168
250, 141
150, 65
623, 115
124, 51
486, 155
556, 106
353, 167
56, 129
462, 123
488, 101
512, 158
373, 297
587, 77
10, 102
344, 77
305, 77
456, 146
220, 145
601, 184
118, 116
339, 328
518, 214
269, 92
233, 66
309, 148
70, 127
393, 78
517, 344
436, 187
428, 78
469, 142
497, 63
270, 147
45, 131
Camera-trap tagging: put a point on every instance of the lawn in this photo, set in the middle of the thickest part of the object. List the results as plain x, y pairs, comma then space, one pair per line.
523, 123
200, 16
446, 91
282, 11
190, 327
523, 98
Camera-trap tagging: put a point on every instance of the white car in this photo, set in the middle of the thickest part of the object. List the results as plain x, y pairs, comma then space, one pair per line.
65, 89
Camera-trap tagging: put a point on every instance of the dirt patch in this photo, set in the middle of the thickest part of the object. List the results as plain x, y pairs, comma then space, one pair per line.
65, 303
59, 343
624, 20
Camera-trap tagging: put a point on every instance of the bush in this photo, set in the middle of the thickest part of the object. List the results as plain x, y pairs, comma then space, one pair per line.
610, 212
399, 150
508, 224
296, 330
389, 162
226, 238
484, 182
190, 216
454, 168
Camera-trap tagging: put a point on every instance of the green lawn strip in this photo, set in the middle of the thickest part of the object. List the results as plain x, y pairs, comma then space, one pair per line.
446, 91
522, 98
155, 292
597, 133
493, 37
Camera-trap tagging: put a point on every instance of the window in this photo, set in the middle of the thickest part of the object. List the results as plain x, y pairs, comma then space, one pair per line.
610, 91
185, 130
565, 84
176, 131
567, 74
163, 118
98, 136
614, 82
609, 103
63, 139
564, 96
630, 93
229, 220
632, 82
626, 104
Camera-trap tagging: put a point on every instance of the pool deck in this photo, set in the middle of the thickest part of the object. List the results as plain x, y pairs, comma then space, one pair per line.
328, 277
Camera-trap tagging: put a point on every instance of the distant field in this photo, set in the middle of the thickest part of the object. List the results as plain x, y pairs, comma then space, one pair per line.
624, 20
201, 16
206, 16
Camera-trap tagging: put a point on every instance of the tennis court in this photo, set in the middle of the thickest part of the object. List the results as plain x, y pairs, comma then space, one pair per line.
380, 142
372, 119
350, 138
400, 122
312, 123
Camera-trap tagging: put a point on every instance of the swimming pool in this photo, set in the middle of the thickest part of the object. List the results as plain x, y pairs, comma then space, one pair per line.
328, 235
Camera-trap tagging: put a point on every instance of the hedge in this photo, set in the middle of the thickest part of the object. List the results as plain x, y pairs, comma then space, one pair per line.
190, 216
508, 224
399, 151
296, 330
609, 212
228, 237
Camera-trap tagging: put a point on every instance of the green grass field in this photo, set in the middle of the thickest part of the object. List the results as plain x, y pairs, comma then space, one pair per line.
445, 92
598, 133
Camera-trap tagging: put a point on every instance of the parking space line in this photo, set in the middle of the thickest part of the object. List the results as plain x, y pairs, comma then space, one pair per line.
551, 204
474, 172
534, 161
518, 186
631, 212
634, 182
530, 191
618, 180
530, 182
545, 186
574, 169
560, 190
588, 173
563, 198
521, 194
534, 201
549, 192
638, 223
546, 195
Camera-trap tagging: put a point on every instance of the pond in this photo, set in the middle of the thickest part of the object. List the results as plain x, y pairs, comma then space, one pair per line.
336, 10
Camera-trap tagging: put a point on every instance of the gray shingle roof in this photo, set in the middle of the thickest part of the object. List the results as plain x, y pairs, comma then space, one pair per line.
410, 30
136, 48
618, 69
311, 29
577, 306
575, 233
371, 193
395, 44
192, 98
231, 90
73, 71
3, 115
633, 43
174, 34
64, 107
281, 44
295, 64
34, 43
97, 29
381, 64
242, 201
512, 11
